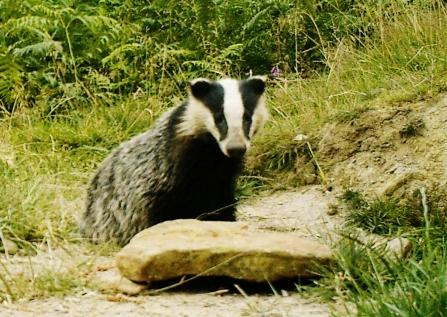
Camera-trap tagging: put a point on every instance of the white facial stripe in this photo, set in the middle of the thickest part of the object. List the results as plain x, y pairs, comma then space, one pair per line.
197, 118
234, 112
260, 116
233, 106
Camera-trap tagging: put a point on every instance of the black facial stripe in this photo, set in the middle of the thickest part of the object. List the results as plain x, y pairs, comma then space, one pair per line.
222, 126
213, 99
246, 123
250, 98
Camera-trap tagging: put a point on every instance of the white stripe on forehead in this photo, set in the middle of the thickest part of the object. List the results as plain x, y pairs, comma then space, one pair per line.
233, 105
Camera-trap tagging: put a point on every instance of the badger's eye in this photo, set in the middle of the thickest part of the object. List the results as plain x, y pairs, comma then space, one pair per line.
247, 117
219, 116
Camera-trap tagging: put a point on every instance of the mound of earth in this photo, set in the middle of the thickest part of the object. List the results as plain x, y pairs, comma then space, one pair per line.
391, 152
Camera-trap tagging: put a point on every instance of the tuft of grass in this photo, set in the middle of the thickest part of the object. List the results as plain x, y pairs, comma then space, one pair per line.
381, 217
390, 217
40, 275
350, 115
413, 127
378, 284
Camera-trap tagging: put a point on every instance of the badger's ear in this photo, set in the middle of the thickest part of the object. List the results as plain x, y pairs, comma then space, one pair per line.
199, 87
257, 84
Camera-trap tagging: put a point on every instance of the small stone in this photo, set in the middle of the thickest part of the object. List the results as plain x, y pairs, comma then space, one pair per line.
9, 246
332, 209
396, 186
400, 247
178, 248
395, 183
300, 137
112, 280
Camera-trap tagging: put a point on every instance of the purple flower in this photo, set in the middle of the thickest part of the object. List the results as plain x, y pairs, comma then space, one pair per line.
276, 71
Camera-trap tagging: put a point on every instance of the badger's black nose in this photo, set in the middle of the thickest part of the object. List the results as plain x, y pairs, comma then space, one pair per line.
236, 149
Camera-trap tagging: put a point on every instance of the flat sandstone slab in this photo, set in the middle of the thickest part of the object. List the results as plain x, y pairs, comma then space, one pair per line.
177, 248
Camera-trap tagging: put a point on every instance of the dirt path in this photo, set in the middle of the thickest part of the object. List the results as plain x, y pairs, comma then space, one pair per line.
173, 304
304, 212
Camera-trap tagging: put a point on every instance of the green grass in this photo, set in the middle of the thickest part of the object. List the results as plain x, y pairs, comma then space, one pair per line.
374, 281
47, 156
378, 285
45, 163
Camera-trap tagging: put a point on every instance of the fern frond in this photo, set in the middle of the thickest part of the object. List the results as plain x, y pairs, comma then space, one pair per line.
94, 23
26, 23
42, 48
67, 3
118, 51
179, 52
10, 78
7, 63
54, 12
234, 49
249, 25
204, 65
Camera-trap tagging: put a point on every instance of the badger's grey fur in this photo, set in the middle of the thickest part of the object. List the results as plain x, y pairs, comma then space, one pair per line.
184, 167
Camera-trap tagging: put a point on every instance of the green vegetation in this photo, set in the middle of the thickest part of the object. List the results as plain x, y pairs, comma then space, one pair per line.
379, 284
79, 77
73, 53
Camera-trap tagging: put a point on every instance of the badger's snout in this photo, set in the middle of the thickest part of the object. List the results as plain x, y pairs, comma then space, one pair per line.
236, 149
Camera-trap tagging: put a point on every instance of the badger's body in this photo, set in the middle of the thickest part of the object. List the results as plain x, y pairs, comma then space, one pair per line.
186, 166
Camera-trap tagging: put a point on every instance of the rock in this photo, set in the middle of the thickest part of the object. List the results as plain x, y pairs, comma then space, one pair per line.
300, 137
306, 174
112, 280
9, 246
177, 248
332, 209
395, 183
400, 247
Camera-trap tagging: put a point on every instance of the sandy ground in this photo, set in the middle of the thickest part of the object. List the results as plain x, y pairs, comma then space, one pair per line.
172, 304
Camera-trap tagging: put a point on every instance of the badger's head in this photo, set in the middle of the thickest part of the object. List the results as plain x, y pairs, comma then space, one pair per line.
231, 110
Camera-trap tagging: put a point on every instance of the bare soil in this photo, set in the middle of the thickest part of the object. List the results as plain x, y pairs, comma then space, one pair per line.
389, 152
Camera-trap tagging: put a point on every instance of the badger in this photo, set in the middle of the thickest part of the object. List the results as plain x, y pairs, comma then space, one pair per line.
185, 166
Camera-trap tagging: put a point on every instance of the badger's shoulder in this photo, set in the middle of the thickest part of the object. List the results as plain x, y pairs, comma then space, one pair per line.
163, 129
144, 156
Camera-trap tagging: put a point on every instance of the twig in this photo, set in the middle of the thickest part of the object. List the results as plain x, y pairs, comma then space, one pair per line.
184, 281
320, 171
206, 214
250, 303
425, 211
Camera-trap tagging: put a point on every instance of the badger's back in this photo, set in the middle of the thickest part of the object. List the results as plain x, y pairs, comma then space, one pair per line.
186, 166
